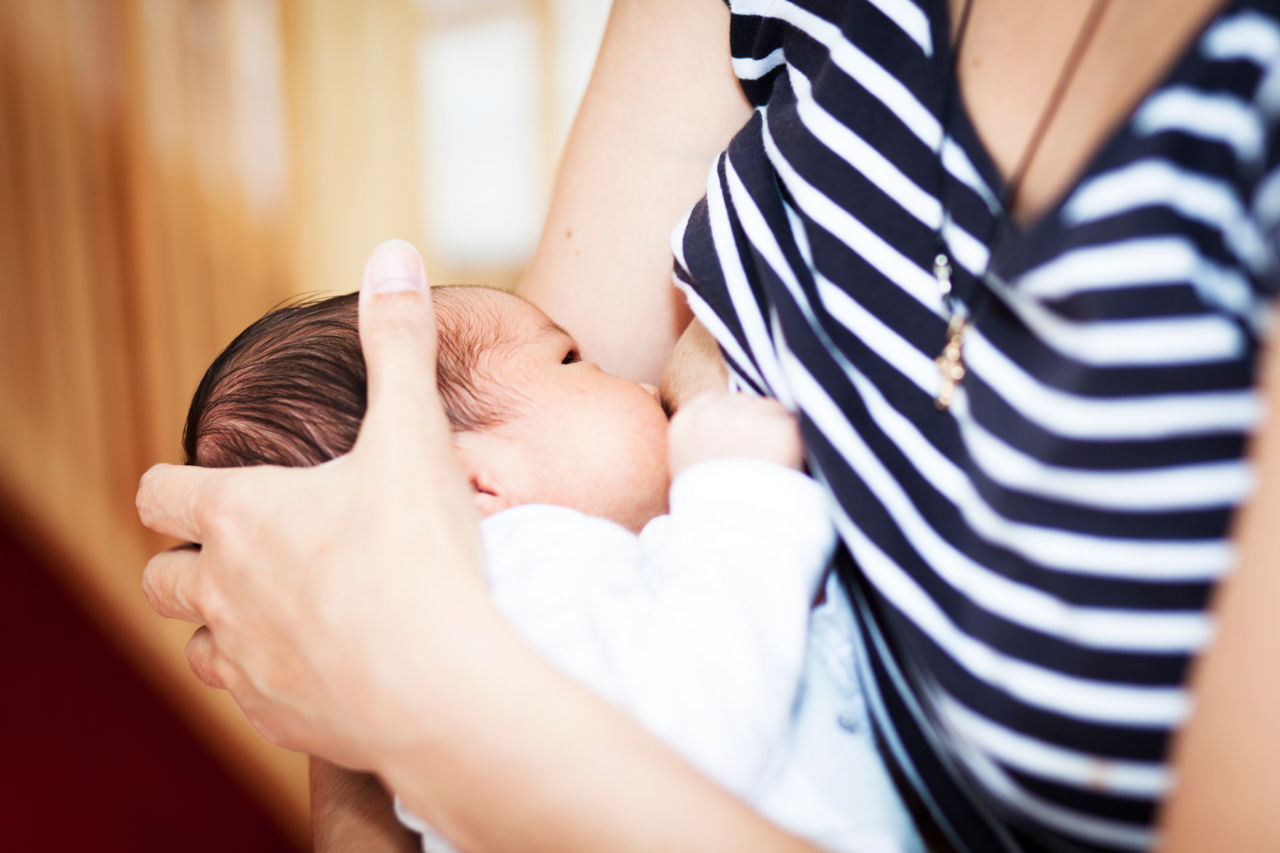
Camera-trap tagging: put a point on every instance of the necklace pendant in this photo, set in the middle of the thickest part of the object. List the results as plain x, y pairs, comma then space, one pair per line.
942, 272
951, 362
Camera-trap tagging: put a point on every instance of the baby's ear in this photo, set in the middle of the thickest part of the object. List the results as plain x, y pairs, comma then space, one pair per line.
483, 472
488, 501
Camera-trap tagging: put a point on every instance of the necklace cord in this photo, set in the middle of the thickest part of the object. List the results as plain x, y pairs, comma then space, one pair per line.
951, 362
1084, 38
1066, 73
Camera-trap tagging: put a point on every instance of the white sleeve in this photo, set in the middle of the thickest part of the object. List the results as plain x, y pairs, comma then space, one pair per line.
697, 627
547, 566
713, 667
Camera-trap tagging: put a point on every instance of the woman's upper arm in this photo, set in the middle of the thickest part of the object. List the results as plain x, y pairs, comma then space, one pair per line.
1227, 759
661, 104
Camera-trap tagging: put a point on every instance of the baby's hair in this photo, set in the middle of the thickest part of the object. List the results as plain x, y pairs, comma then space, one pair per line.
291, 389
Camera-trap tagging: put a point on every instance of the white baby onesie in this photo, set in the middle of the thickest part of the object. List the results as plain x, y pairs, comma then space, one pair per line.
698, 627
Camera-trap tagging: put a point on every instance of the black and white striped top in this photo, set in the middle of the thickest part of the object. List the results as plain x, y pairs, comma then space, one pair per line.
1033, 565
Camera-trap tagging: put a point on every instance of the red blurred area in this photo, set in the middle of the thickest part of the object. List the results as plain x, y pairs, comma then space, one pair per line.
91, 758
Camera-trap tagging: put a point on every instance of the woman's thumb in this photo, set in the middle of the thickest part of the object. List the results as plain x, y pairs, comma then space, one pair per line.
398, 336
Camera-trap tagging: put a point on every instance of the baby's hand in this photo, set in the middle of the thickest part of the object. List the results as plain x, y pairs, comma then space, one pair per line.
724, 425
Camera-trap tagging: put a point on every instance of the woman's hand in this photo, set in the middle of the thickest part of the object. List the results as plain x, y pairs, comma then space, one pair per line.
315, 586
344, 608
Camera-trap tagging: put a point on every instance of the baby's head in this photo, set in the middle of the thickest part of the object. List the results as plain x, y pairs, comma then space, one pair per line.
532, 422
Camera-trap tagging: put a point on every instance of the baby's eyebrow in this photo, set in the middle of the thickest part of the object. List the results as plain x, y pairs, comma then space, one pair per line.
549, 325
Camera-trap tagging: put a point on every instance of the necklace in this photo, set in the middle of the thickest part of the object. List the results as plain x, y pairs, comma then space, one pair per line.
950, 363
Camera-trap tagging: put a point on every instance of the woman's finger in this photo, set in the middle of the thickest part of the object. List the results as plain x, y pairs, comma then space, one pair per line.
169, 582
398, 337
405, 437
205, 661
173, 499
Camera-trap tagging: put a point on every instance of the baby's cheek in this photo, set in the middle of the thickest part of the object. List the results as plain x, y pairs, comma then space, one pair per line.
656, 474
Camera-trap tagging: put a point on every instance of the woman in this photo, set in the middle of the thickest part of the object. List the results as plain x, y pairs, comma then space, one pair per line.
886, 204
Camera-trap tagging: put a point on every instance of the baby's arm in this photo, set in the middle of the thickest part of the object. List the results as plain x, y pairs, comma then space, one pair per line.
698, 625
715, 661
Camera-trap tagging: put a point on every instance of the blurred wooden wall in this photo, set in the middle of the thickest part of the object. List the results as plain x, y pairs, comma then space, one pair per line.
168, 170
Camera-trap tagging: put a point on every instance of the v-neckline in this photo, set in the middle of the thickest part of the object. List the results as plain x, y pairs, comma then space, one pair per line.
1019, 242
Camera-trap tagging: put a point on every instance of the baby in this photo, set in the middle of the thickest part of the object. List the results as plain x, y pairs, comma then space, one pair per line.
671, 570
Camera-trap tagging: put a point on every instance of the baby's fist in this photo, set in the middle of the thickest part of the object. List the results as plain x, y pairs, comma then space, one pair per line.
723, 426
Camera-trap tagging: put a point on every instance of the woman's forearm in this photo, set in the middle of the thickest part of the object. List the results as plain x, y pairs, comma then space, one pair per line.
569, 771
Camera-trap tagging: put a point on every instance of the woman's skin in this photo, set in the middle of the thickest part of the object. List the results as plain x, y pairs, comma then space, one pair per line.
403, 666
352, 811
1227, 759
482, 738
636, 160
